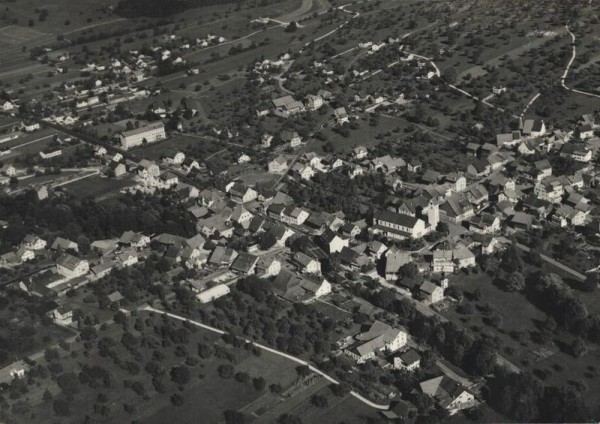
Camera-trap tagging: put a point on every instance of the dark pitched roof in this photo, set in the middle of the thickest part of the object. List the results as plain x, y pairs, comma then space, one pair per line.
396, 218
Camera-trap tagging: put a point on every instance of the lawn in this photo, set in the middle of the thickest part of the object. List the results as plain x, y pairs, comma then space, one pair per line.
518, 315
96, 186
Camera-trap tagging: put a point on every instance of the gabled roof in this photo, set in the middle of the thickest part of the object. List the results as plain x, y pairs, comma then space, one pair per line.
63, 244
396, 218
69, 261
244, 262
429, 288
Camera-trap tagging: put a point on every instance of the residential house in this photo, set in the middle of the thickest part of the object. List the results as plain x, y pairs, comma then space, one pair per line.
394, 260
566, 215
521, 221
354, 258
64, 245
432, 293
387, 164
586, 131
127, 258
25, 254
314, 102
479, 168
102, 269
266, 140
360, 152
458, 182
577, 151
508, 139
350, 230
533, 128
305, 172
33, 242
8, 170
268, 266
70, 266
478, 195
133, 239
241, 215
280, 233
378, 337
245, 263
116, 169
222, 256
448, 393
400, 411
456, 209
300, 289
167, 180
62, 315
550, 190
306, 264
542, 169
486, 223
148, 169
292, 138
414, 165
341, 116
294, 215
332, 242
189, 164
287, 106
244, 158
409, 360
278, 165
242, 194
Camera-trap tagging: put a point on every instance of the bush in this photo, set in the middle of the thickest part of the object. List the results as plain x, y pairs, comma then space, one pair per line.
226, 371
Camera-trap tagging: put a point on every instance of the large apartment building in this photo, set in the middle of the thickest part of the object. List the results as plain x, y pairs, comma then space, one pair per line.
136, 137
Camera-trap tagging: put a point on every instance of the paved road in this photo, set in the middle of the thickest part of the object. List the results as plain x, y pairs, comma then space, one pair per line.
271, 350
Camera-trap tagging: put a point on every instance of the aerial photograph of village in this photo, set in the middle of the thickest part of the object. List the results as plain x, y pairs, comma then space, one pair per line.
299, 211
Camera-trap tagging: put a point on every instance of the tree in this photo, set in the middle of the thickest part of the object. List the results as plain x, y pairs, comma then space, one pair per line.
177, 399
515, 282
180, 375
578, 347
303, 370
242, 377
292, 27
259, 383
319, 401
289, 419
226, 371
69, 383
234, 417
62, 408
267, 240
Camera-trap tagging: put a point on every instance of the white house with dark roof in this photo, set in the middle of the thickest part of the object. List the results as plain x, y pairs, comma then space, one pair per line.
448, 393
306, 264
279, 165
379, 337
70, 266
399, 226
409, 360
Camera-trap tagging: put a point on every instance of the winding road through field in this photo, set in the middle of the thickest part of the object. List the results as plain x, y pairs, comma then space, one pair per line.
573, 56
268, 349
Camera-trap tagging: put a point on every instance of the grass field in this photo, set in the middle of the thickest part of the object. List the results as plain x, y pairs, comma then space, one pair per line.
96, 186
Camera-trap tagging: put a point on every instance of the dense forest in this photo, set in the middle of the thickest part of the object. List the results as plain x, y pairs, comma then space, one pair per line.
162, 8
